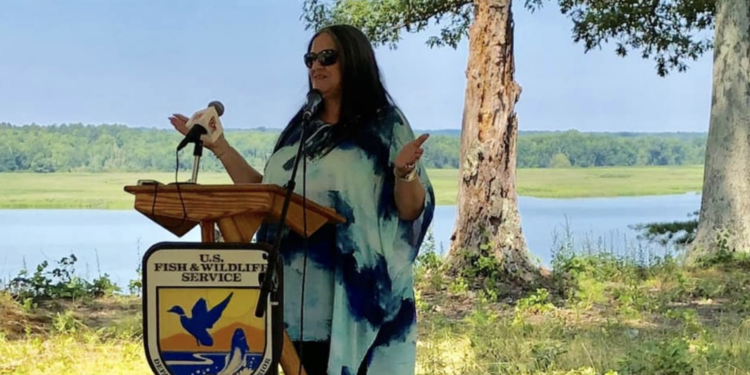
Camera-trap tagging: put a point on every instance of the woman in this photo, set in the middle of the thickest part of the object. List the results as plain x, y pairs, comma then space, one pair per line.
361, 159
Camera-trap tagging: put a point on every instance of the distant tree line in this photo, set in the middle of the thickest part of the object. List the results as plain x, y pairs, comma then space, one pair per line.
575, 149
118, 148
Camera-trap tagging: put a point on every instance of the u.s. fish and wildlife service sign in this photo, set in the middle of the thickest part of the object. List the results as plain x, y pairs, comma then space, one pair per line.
199, 303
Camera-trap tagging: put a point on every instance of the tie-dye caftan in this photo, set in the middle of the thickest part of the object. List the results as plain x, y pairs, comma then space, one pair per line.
359, 281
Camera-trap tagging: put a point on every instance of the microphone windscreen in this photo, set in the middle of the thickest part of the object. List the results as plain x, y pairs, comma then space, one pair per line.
219, 107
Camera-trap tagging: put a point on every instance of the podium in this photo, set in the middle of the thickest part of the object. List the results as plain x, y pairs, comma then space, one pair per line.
238, 210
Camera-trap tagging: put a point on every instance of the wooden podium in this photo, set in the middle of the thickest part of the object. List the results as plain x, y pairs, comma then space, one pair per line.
238, 210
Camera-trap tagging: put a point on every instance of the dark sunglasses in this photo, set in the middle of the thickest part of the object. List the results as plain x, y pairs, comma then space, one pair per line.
325, 57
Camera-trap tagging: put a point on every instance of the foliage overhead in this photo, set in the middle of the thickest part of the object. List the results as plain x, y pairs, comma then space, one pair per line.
383, 21
665, 30
669, 31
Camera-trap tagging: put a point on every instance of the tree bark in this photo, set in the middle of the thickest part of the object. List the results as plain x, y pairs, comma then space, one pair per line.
487, 201
725, 203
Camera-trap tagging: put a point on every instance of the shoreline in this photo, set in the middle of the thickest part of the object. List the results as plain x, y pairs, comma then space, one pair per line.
104, 190
118, 208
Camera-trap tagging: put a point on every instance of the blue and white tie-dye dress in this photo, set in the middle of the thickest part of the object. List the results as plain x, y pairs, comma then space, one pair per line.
359, 281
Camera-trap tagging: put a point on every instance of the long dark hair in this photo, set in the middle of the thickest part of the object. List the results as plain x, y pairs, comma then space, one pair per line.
363, 94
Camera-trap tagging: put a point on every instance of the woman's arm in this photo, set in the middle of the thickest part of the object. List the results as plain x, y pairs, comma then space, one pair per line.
238, 168
409, 197
409, 190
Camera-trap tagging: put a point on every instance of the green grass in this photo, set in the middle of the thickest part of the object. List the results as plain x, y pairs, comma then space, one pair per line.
598, 316
82, 190
105, 190
609, 182
595, 313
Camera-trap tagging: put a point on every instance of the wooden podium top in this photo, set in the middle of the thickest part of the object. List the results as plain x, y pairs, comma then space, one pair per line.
180, 208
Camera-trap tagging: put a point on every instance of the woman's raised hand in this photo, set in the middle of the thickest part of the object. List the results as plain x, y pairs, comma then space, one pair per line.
179, 122
410, 154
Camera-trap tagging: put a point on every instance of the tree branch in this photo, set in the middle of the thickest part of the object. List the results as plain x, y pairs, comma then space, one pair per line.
448, 7
668, 30
383, 20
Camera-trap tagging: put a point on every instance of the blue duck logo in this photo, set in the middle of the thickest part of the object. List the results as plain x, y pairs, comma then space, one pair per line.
219, 336
201, 320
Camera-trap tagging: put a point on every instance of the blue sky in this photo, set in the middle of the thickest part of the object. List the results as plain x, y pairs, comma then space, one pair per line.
135, 62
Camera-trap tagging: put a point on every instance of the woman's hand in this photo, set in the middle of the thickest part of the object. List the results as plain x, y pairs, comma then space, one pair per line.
409, 195
238, 168
407, 159
179, 122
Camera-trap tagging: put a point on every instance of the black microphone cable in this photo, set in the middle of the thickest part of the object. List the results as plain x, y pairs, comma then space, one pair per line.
179, 193
305, 245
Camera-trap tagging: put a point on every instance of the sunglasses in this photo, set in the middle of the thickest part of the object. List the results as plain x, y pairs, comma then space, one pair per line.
325, 57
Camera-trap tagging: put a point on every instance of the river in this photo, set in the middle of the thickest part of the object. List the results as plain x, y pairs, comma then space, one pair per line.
112, 242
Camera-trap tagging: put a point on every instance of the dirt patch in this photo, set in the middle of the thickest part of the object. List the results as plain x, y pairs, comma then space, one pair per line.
19, 321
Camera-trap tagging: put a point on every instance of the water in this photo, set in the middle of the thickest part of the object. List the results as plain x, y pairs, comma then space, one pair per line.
112, 242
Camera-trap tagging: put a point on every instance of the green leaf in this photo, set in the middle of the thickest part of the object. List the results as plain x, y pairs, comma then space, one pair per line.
383, 21
671, 32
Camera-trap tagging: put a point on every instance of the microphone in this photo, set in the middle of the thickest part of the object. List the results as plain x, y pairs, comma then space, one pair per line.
313, 104
205, 121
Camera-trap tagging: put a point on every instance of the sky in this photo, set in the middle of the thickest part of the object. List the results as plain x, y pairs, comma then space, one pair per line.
135, 62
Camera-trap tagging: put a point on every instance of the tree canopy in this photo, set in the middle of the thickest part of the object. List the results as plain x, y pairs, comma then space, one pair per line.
383, 21
671, 32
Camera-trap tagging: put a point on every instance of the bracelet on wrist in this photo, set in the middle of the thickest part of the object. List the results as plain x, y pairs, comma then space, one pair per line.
408, 177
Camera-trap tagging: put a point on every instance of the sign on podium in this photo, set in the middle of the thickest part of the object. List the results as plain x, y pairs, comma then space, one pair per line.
199, 299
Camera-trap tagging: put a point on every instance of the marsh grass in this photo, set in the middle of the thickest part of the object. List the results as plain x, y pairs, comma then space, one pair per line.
105, 190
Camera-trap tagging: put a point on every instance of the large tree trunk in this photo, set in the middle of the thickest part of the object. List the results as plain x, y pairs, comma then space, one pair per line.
725, 205
487, 200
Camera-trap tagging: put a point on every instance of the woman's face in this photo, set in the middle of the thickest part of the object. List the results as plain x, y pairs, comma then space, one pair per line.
323, 62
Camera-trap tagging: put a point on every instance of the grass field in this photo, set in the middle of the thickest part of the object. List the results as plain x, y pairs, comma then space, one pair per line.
602, 317
105, 190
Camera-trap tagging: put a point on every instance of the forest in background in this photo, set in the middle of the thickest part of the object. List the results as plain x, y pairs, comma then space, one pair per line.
119, 148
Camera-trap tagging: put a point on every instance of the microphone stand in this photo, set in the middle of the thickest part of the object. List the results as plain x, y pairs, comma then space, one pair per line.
273, 259
197, 152
194, 136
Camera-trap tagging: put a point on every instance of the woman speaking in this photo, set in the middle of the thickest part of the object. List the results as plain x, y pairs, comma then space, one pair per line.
362, 159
